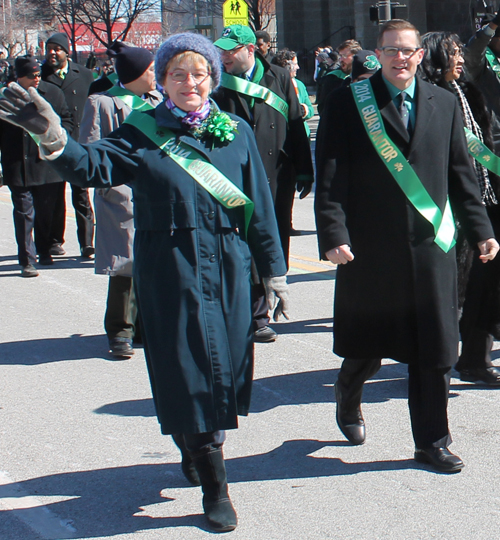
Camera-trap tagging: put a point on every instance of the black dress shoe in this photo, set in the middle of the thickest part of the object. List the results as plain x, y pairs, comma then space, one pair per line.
57, 250
264, 335
121, 347
489, 376
352, 425
440, 458
87, 252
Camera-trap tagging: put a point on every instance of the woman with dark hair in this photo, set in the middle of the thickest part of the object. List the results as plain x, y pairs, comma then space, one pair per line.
478, 284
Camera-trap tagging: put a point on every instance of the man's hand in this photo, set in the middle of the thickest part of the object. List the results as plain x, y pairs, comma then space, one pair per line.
488, 248
304, 188
277, 296
341, 254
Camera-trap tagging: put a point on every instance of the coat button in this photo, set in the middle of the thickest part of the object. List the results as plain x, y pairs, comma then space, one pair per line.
412, 237
272, 126
211, 215
270, 152
74, 91
212, 258
76, 108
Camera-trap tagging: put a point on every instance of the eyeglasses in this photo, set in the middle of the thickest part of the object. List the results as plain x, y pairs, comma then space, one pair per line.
223, 52
457, 51
181, 76
345, 56
34, 76
407, 52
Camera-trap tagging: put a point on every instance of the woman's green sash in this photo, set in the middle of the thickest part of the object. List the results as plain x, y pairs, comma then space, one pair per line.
400, 169
208, 176
129, 98
253, 90
481, 153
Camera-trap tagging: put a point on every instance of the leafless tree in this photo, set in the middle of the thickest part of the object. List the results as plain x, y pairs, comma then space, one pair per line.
261, 13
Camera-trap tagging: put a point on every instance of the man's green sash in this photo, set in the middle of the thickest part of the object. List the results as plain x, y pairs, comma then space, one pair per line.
129, 98
208, 176
400, 169
253, 90
338, 73
493, 61
481, 153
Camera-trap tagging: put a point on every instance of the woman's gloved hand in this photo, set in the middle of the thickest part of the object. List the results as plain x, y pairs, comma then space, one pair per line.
277, 296
31, 112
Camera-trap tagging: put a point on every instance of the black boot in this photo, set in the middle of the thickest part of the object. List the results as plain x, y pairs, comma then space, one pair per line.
216, 503
187, 464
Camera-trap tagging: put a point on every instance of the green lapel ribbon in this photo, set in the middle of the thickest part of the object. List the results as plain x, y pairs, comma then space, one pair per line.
400, 169
481, 153
338, 73
253, 90
208, 176
493, 61
129, 98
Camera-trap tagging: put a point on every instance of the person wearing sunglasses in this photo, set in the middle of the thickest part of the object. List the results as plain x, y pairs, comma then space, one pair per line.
393, 166
32, 183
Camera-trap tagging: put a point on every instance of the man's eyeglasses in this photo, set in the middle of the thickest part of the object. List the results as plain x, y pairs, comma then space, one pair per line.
181, 76
232, 51
407, 52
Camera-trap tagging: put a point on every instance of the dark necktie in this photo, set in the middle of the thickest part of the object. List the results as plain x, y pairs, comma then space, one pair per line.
403, 110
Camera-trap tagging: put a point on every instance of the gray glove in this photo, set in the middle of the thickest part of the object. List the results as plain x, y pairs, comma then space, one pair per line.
277, 296
31, 112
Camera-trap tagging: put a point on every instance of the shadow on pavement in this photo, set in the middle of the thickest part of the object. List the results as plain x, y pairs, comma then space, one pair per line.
114, 501
292, 389
45, 351
310, 326
311, 276
59, 263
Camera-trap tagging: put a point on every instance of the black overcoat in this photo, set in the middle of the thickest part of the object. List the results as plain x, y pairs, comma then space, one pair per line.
191, 267
75, 87
280, 143
21, 164
398, 298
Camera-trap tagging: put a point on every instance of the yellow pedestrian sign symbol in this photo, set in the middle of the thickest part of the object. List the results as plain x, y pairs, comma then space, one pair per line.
235, 12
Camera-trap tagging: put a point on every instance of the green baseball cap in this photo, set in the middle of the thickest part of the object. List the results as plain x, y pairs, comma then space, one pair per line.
235, 35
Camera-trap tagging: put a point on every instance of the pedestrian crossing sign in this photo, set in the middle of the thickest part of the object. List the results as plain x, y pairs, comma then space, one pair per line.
235, 12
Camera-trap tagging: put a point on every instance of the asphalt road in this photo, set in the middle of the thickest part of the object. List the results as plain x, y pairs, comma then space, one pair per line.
81, 455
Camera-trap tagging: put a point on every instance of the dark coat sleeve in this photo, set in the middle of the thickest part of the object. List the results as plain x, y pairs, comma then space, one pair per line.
331, 198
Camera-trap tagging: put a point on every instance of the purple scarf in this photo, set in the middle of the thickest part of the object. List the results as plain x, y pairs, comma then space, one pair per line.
191, 119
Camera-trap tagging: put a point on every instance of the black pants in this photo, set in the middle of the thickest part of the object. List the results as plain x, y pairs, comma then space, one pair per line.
197, 442
120, 318
83, 212
427, 397
33, 210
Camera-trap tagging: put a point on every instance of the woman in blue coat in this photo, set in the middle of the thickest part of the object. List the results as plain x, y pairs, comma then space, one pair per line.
192, 248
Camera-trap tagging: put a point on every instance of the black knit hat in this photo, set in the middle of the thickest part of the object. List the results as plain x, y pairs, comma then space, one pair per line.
130, 62
25, 65
59, 39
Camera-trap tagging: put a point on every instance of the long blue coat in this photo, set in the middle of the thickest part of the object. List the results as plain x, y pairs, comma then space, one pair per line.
192, 267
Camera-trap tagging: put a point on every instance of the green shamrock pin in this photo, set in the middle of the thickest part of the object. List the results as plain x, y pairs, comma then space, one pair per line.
371, 62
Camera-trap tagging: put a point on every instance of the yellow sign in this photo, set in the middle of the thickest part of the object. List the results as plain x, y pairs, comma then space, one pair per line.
235, 12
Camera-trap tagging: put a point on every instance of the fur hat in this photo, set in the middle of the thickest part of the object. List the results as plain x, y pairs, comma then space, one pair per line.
180, 43
130, 62
59, 39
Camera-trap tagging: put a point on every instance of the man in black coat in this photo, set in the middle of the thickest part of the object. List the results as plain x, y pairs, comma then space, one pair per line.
32, 182
281, 138
396, 291
74, 81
